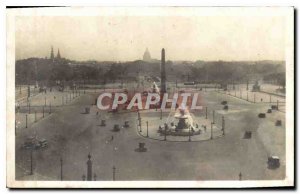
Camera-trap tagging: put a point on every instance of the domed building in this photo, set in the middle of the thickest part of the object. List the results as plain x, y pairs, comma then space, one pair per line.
147, 56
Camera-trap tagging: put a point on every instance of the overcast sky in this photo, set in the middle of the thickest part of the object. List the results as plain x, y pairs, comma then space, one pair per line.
122, 38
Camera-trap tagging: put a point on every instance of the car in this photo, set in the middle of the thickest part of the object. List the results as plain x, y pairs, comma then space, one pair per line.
224, 102
248, 135
28, 145
274, 107
261, 115
29, 142
273, 162
33, 143
278, 123
141, 148
87, 110
43, 143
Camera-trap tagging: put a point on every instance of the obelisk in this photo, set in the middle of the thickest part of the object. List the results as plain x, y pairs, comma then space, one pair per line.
163, 72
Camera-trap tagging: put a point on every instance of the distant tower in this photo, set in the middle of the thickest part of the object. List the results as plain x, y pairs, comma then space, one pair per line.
52, 54
163, 72
89, 168
147, 56
58, 55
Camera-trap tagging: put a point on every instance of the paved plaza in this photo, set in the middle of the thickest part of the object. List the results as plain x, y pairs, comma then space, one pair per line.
72, 135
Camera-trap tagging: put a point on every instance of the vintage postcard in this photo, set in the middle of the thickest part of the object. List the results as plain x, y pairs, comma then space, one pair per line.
150, 97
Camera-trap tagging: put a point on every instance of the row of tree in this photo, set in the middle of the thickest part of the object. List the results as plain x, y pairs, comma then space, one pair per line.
44, 70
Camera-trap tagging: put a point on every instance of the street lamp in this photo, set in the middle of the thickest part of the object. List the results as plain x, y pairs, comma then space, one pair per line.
61, 168
147, 129
35, 119
114, 173
160, 114
26, 121
189, 133
211, 130
165, 139
31, 162
223, 125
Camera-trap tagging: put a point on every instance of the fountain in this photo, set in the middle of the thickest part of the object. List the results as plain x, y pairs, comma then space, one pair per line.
182, 124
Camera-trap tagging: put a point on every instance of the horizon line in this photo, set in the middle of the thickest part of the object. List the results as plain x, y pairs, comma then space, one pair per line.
181, 60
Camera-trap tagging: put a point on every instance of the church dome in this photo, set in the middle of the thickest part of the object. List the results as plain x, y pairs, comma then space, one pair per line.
147, 56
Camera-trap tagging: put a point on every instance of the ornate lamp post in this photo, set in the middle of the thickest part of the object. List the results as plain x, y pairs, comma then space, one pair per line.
89, 176
89, 168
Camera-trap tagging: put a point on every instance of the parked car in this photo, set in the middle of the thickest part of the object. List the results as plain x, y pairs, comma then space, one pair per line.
273, 162
34, 143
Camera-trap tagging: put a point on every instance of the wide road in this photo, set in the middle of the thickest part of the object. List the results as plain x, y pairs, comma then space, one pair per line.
72, 135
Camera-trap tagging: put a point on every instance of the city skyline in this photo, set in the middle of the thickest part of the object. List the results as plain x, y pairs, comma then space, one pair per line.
126, 38
162, 97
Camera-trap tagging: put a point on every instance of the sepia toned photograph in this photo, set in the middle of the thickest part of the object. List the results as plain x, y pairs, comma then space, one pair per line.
150, 97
